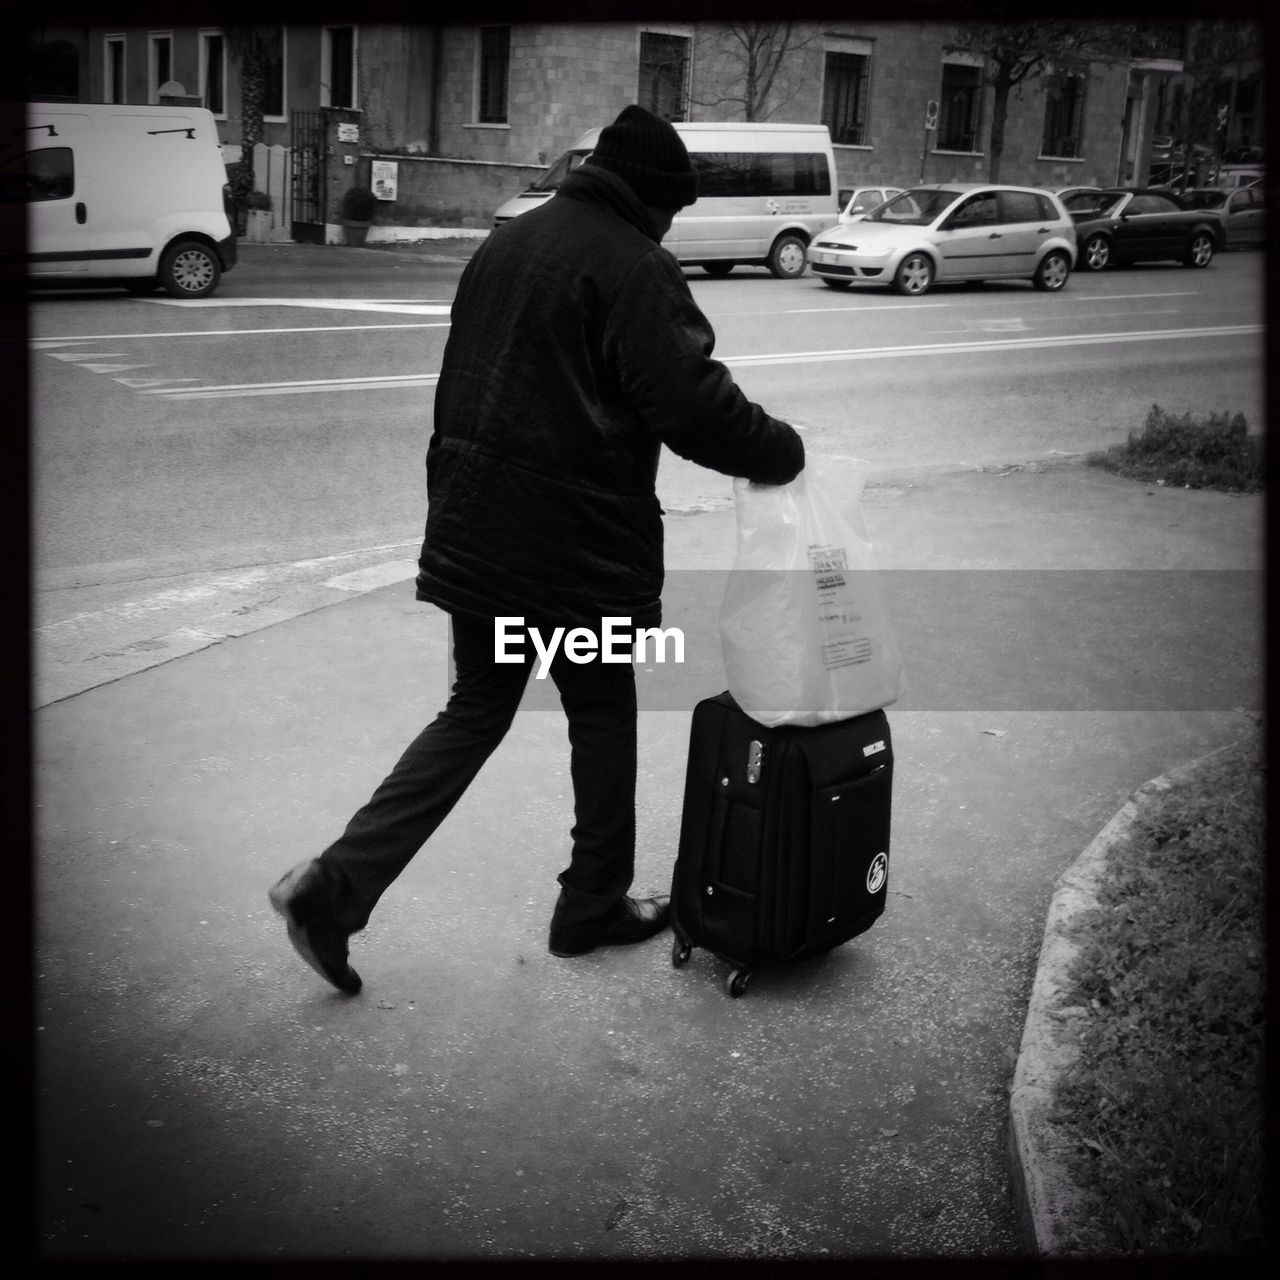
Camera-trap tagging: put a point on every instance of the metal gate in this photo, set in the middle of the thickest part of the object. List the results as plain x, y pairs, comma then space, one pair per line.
306, 171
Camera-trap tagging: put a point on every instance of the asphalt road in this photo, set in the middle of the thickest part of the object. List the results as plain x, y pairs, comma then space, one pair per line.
194, 458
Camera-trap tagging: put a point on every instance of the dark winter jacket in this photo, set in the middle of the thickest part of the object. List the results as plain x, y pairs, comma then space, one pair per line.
576, 351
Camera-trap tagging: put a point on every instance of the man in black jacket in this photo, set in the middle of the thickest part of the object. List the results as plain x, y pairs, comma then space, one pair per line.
575, 352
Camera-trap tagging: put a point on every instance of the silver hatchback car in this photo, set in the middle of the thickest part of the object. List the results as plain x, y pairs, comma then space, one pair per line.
951, 231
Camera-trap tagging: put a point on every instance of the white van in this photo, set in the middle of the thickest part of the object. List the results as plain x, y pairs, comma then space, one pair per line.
137, 195
764, 191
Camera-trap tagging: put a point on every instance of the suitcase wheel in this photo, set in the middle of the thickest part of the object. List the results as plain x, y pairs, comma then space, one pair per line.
736, 983
680, 953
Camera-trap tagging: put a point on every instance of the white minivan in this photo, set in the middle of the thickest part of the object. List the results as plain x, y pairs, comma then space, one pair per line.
764, 191
131, 194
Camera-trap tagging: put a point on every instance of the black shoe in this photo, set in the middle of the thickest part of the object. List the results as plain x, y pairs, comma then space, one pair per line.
301, 897
639, 918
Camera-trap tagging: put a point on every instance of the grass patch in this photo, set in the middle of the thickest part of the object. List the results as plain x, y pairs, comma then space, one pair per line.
1216, 453
1163, 1110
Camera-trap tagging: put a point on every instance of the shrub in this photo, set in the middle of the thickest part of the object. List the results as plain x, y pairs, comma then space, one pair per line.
258, 200
241, 184
1217, 453
240, 181
359, 204
1164, 1104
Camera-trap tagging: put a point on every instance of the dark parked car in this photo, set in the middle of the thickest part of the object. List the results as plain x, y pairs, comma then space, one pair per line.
1243, 212
1138, 224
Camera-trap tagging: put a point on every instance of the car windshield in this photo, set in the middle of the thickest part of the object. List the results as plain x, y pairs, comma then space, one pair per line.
551, 180
915, 208
1094, 204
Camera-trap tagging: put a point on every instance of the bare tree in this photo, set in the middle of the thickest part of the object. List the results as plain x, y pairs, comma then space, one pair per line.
1214, 55
753, 65
1015, 53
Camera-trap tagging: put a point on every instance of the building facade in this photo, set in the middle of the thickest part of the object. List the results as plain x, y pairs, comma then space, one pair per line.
455, 118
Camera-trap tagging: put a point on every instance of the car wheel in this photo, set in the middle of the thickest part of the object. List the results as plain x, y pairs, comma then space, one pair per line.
1201, 252
914, 275
1052, 272
1095, 254
836, 284
189, 269
787, 258
717, 268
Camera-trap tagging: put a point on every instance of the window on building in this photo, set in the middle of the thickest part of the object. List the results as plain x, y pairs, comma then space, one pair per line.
844, 97
1168, 112
113, 69
273, 62
1162, 40
159, 64
213, 72
664, 69
959, 107
494, 75
1063, 117
339, 86
52, 70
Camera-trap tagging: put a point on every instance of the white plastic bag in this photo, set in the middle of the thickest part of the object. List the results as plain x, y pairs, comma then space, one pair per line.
803, 625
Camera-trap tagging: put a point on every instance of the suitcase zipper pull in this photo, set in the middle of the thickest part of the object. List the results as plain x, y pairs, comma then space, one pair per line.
755, 752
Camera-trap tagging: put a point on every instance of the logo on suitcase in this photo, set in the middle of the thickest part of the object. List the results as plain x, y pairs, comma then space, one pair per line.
877, 872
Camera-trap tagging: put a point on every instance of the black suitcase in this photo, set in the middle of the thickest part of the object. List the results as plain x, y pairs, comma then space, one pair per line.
784, 839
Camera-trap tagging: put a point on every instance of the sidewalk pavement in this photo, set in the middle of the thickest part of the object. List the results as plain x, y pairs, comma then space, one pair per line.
204, 1095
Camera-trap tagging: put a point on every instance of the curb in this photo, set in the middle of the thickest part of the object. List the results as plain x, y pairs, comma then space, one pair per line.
258, 606
391, 234
1047, 1199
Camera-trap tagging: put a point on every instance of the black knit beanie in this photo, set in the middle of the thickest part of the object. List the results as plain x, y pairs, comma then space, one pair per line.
645, 151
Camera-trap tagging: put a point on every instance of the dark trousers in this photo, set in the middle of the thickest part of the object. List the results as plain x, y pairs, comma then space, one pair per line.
599, 700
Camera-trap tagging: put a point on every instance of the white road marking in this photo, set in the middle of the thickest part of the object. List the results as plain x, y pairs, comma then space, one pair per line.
93, 361
146, 384
317, 561
78, 356
41, 344
303, 387
243, 580
375, 576
965, 301
314, 304
1008, 344
1127, 297
165, 599
1001, 324
832, 309
444, 308
414, 380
